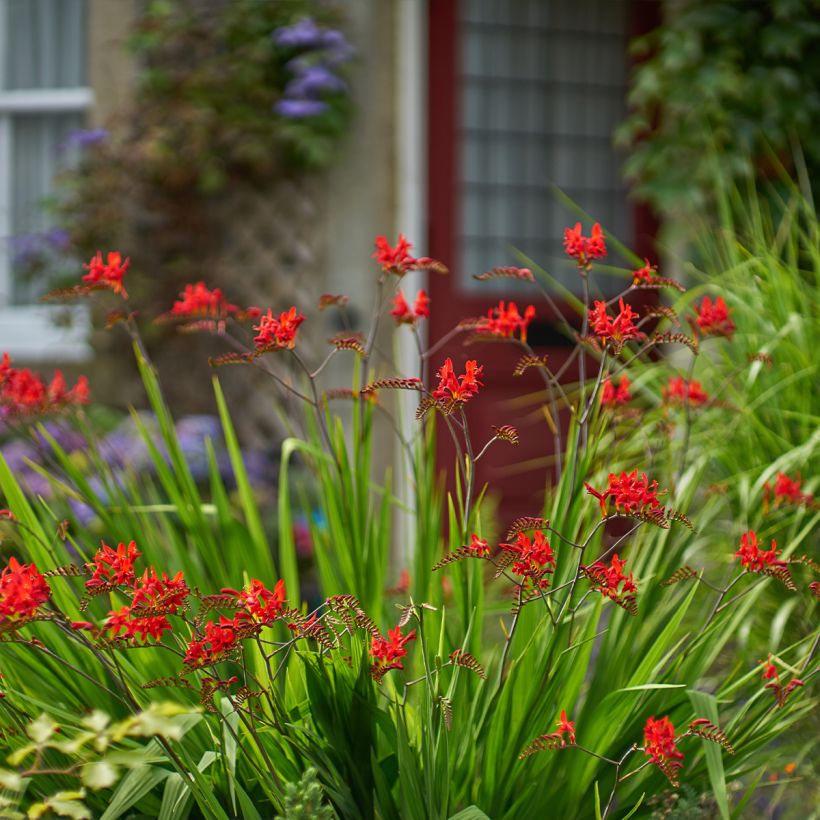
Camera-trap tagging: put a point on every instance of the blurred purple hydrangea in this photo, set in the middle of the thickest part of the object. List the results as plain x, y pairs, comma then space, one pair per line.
312, 72
84, 138
32, 248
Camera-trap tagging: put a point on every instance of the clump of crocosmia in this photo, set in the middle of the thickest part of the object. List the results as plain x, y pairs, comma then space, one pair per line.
314, 82
755, 559
644, 275
787, 490
23, 590
661, 747
712, 318
398, 260
779, 691
108, 273
533, 560
388, 652
612, 396
24, 394
112, 567
458, 389
504, 321
614, 330
404, 314
679, 391
610, 580
584, 248
278, 332
630, 493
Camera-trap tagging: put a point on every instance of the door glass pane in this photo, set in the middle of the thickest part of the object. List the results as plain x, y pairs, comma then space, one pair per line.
542, 85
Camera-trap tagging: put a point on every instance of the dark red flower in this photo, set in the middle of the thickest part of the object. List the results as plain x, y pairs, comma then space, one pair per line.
458, 389
630, 493
23, 589
753, 558
278, 332
780, 692
503, 321
612, 396
678, 390
644, 274
659, 744
388, 652
584, 248
787, 490
713, 318
618, 329
108, 274
113, 566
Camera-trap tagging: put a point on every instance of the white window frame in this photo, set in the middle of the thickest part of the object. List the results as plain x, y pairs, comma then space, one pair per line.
31, 332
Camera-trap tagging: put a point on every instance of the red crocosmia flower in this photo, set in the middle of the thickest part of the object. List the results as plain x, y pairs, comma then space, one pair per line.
713, 318
534, 559
644, 274
659, 744
617, 329
479, 546
394, 259
779, 691
219, 641
612, 396
787, 491
458, 389
755, 559
278, 332
584, 248
503, 321
566, 727
113, 566
197, 301
23, 589
678, 390
403, 314
389, 651
630, 493
23, 393
610, 580
109, 274
260, 605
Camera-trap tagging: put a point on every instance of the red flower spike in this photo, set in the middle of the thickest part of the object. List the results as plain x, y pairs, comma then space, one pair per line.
610, 580
612, 396
23, 589
479, 546
113, 566
533, 559
108, 274
753, 558
644, 274
23, 393
260, 605
678, 390
583, 248
219, 640
712, 318
388, 652
458, 389
278, 332
630, 493
780, 692
787, 491
660, 746
618, 329
404, 315
566, 727
503, 321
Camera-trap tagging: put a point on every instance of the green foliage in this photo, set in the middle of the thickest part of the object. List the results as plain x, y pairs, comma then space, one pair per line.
729, 76
305, 800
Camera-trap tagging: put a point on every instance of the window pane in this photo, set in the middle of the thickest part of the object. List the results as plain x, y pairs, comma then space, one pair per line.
37, 148
45, 44
542, 86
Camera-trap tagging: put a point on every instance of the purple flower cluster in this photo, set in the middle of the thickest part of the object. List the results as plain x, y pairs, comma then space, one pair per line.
312, 73
29, 249
84, 138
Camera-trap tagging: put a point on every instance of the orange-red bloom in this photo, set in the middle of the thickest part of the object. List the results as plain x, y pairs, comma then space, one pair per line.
198, 301
629, 492
610, 580
659, 744
779, 691
108, 274
566, 727
479, 546
612, 396
389, 651
398, 260
584, 248
459, 389
219, 641
403, 314
23, 393
678, 390
260, 605
23, 589
713, 318
503, 321
278, 332
644, 275
534, 559
787, 490
113, 566
617, 329
755, 559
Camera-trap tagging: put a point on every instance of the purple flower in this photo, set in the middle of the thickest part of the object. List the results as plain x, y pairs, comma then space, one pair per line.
299, 109
338, 49
84, 138
312, 81
31, 248
302, 34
